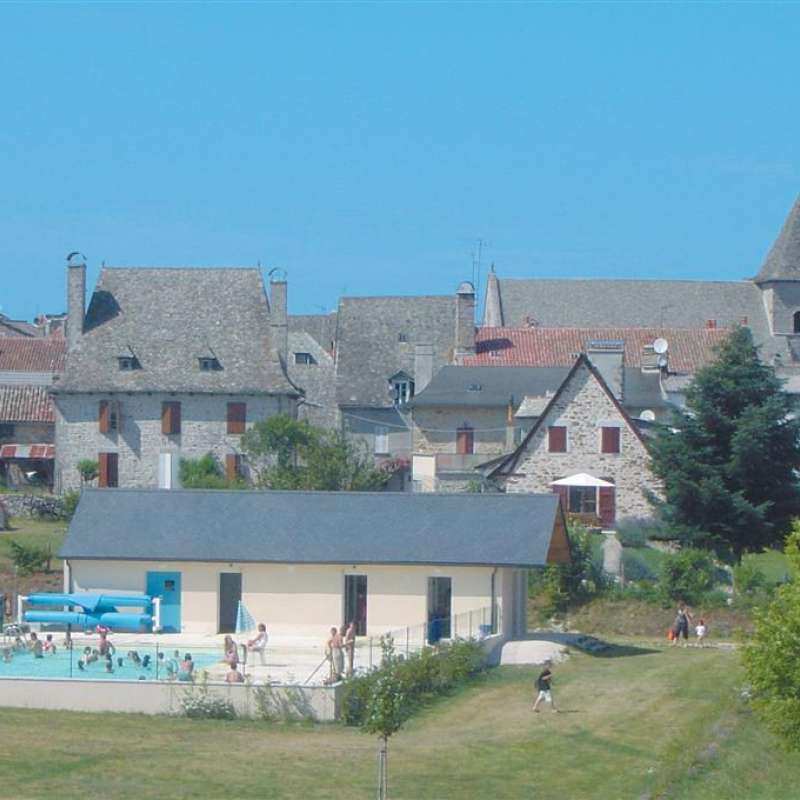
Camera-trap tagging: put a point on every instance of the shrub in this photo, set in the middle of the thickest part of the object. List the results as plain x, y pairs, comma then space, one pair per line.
748, 578
88, 470
71, 499
636, 531
28, 558
201, 704
687, 575
636, 568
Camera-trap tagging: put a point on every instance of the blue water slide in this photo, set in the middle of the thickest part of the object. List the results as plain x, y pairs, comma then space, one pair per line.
90, 601
94, 609
63, 618
114, 619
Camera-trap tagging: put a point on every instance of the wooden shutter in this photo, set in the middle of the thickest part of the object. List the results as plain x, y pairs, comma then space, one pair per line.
608, 504
465, 441
237, 417
557, 439
103, 415
563, 495
609, 442
233, 466
170, 417
109, 470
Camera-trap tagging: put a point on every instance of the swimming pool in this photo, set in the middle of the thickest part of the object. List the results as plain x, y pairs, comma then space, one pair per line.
64, 664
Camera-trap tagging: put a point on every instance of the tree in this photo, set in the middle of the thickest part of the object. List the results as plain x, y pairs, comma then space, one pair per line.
727, 463
88, 470
204, 473
285, 453
770, 656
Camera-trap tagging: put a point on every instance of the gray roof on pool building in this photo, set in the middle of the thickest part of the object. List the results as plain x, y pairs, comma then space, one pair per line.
312, 527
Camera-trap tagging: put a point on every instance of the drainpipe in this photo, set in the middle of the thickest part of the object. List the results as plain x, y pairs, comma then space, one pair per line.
493, 607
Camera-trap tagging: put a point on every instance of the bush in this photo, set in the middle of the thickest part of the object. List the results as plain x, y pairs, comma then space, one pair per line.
71, 499
636, 568
201, 704
748, 578
415, 678
687, 575
28, 558
636, 531
88, 470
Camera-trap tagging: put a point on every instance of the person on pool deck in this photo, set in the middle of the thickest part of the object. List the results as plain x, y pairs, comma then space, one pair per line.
36, 645
186, 668
231, 653
234, 676
259, 643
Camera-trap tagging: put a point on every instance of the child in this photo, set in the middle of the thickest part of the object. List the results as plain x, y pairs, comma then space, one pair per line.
700, 632
49, 646
544, 683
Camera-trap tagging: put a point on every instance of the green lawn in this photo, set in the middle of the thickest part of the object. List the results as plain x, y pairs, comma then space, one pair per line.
33, 532
773, 564
639, 720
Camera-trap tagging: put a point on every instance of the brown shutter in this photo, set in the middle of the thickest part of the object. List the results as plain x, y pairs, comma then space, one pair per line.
232, 467
170, 417
557, 439
609, 440
608, 504
237, 417
102, 479
113, 469
465, 441
103, 416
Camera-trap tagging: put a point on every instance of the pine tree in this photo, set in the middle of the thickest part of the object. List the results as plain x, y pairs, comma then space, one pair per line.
727, 462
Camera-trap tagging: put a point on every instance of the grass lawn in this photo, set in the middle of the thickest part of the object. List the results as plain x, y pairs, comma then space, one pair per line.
773, 564
39, 533
643, 719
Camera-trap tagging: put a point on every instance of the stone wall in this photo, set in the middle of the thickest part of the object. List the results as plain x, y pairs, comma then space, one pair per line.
41, 506
435, 429
583, 407
140, 440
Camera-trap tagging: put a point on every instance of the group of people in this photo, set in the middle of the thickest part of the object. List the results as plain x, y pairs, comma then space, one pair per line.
340, 646
680, 628
33, 645
255, 646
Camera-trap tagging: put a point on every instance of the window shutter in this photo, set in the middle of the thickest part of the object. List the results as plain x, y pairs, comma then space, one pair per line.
103, 416
170, 417
608, 504
609, 440
109, 470
102, 479
232, 466
237, 418
557, 439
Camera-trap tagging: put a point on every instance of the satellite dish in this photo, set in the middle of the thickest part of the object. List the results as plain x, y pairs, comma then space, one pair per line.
647, 415
660, 346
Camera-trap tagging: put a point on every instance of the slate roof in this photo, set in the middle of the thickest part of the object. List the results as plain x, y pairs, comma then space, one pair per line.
488, 386
13, 328
377, 338
321, 327
312, 527
24, 354
783, 260
25, 404
689, 348
599, 303
169, 318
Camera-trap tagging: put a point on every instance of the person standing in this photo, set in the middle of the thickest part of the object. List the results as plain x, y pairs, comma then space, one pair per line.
544, 684
350, 646
680, 627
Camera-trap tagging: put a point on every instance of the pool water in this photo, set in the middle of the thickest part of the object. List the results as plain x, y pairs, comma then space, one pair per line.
64, 664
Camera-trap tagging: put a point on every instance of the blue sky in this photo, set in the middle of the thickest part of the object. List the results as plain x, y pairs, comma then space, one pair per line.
365, 148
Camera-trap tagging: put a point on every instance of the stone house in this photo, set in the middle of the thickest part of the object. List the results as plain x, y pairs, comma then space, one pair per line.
28, 367
167, 364
302, 561
583, 430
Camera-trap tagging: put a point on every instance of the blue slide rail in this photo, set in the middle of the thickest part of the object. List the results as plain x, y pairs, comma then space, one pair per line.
92, 610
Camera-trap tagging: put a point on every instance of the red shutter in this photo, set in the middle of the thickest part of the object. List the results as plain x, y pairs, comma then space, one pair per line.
465, 441
103, 416
608, 504
557, 439
233, 468
170, 417
109, 470
609, 440
102, 479
563, 495
237, 417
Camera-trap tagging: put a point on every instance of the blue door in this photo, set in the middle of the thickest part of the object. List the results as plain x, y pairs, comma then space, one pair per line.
167, 586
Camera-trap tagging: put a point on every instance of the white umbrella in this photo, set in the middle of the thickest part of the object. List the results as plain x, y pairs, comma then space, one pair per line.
581, 479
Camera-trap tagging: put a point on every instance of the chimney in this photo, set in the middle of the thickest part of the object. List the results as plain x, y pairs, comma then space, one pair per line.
609, 359
465, 320
423, 366
279, 324
76, 299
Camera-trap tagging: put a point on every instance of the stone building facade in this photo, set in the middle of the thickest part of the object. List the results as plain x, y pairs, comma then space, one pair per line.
581, 411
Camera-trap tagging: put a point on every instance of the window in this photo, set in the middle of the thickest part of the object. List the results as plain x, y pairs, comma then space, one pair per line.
381, 440
402, 337
402, 390
557, 439
582, 500
237, 418
126, 363
170, 418
109, 470
109, 416
234, 467
304, 358
609, 440
169, 471
465, 440
796, 322
209, 364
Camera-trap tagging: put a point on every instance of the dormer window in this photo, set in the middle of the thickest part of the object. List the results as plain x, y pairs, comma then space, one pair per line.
304, 358
402, 388
209, 364
402, 336
128, 363
475, 387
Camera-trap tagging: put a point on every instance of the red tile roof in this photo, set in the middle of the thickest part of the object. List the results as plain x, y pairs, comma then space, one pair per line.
28, 451
32, 355
25, 404
689, 348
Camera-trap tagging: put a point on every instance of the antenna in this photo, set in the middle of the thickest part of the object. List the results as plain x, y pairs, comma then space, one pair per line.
660, 346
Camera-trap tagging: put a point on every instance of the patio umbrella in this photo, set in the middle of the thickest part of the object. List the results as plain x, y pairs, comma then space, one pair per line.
244, 622
581, 479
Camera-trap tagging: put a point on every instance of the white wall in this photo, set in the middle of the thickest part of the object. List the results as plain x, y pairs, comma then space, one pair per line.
300, 600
